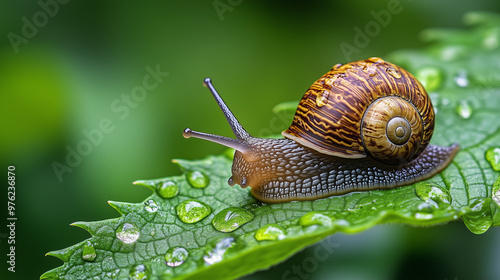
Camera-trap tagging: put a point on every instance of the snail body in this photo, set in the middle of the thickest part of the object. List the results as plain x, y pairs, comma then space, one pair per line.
364, 125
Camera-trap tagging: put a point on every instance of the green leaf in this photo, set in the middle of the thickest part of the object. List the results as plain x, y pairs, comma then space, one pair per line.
173, 234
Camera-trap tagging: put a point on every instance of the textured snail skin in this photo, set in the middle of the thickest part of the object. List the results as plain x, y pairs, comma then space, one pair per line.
362, 126
282, 170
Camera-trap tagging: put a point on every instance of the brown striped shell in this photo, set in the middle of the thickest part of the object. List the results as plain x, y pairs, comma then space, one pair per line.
369, 107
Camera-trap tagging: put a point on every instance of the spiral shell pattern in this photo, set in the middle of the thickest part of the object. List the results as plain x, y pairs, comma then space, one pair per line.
370, 107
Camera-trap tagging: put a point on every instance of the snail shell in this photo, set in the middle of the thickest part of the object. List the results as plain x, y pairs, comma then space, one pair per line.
369, 107
364, 125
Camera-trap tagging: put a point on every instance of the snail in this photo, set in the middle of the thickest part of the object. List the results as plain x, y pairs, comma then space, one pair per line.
362, 126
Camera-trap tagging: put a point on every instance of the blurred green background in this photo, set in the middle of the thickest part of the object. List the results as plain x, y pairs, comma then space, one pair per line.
85, 57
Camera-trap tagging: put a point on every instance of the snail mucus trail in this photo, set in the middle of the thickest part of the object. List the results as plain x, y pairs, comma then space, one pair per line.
364, 125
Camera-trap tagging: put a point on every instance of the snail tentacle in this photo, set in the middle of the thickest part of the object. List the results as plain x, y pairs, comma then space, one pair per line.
236, 144
240, 144
237, 128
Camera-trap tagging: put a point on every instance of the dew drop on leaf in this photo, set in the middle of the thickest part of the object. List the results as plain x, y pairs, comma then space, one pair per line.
270, 232
491, 39
231, 218
112, 274
425, 211
88, 252
450, 53
478, 218
215, 255
493, 157
191, 211
461, 79
197, 179
464, 109
167, 189
423, 216
150, 206
495, 202
433, 195
496, 196
176, 256
315, 218
425, 207
139, 272
128, 233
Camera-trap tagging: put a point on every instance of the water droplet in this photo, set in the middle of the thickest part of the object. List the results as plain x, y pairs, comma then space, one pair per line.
167, 189
453, 52
328, 82
88, 252
191, 211
128, 233
464, 109
322, 98
393, 72
493, 157
150, 206
112, 274
495, 193
197, 179
430, 77
478, 217
425, 207
342, 222
461, 79
315, 218
432, 195
176, 256
370, 69
216, 254
425, 211
231, 218
270, 232
492, 39
423, 216
139, 272
375, 59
